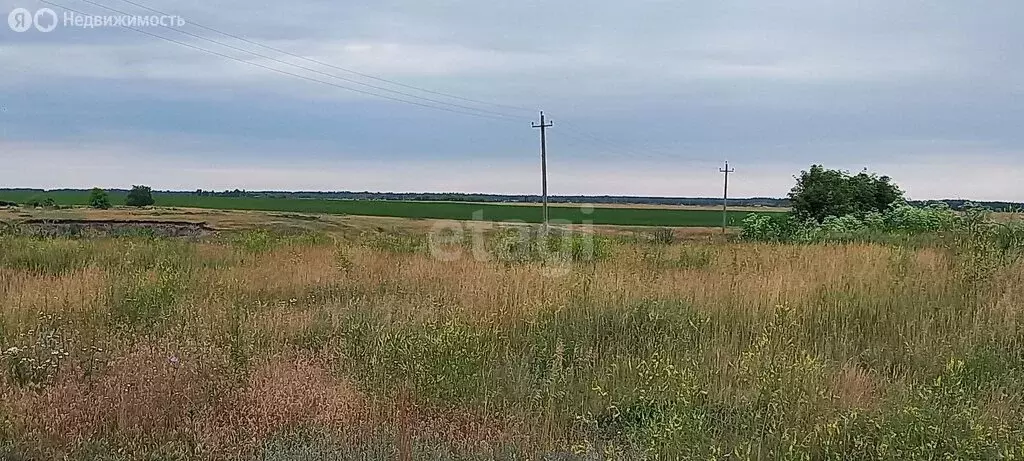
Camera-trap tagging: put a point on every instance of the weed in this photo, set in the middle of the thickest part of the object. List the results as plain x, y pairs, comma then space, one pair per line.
270, 345
396, 242
35, 358
663, 235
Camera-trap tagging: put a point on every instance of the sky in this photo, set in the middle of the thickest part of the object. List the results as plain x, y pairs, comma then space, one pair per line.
648, 97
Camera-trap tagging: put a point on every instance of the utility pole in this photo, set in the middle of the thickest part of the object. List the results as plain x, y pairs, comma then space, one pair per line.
544, 165
3, 115
725, 195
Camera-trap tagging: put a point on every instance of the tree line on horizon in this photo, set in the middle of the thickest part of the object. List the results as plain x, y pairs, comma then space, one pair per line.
830, 187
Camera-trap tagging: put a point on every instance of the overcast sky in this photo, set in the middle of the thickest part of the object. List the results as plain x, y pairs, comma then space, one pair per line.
647, 97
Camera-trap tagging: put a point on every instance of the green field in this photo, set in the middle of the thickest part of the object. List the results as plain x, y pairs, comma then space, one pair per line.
402, 209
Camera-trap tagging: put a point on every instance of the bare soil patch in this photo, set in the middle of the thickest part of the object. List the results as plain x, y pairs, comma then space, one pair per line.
90, 227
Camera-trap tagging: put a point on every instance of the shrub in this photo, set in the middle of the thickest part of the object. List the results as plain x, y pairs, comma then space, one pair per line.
40, 202
1009, 238
842, 225
99, 199
914, 220
139, 196
775, 227
971, 232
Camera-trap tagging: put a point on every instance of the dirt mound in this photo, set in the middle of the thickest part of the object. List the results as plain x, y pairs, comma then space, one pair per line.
90, 228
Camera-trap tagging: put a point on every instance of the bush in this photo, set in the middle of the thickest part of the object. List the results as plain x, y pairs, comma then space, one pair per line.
40, 202
913, 220
842, 225
1009, 238
971, 229
774, 227
99, 199
139, 196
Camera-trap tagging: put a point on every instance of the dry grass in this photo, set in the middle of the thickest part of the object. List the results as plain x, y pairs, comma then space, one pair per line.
26, 294
217, 350
856, 388
1008, 217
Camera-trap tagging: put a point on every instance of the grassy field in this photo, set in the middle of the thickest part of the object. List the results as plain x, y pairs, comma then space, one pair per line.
254, 345
347, 225
757, 209
612, 215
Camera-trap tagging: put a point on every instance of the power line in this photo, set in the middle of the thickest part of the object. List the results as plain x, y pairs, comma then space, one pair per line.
453, 107
614, 147
273, 69
593, 149
568, 125
597, 139
613, 151
332, 66
460, 106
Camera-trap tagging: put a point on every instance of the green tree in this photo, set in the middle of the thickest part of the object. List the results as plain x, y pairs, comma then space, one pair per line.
99, 199
820, 193
139, 196
874, 193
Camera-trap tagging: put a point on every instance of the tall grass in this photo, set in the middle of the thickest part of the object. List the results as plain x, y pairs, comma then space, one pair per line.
261, 346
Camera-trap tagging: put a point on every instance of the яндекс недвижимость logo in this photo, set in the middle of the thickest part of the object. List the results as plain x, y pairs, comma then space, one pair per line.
45, 20
21, 19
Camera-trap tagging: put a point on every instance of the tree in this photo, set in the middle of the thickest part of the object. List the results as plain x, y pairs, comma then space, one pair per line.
139, 196
820, 193
99, 199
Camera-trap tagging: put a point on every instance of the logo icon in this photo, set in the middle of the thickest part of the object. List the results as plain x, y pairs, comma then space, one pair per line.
45, 19
21, 20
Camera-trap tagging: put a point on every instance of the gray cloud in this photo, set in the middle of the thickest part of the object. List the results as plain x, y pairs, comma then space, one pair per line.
679, 85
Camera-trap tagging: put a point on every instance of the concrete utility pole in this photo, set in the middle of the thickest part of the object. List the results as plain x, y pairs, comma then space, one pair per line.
544, 165
3, 122
725, 195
